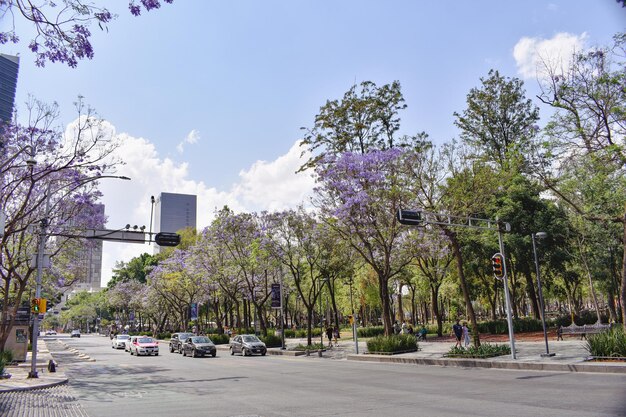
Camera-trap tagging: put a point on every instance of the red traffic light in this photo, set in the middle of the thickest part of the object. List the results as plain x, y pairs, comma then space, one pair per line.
497, 262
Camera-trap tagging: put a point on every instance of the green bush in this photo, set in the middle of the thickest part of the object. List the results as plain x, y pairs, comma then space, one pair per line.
314, 346
392, 344
501, 326
586, 317
485, 350
446, 328
2, 365
290, 333
611, 343
219, 339
271, 340
6, 356
370, 331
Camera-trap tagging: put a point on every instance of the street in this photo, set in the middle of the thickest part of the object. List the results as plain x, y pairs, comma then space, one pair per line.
173, 385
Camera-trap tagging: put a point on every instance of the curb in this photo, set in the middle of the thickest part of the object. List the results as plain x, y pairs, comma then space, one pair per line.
39, 386
478, 363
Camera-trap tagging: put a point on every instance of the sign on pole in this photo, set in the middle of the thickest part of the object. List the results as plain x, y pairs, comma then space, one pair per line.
276, 296
194, 311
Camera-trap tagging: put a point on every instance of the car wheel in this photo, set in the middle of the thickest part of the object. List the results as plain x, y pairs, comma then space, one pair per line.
213, 354
194, 353
232, 351
131, 352
171, 349
156, 354
180, 350
263, 353
184, 352
244, 352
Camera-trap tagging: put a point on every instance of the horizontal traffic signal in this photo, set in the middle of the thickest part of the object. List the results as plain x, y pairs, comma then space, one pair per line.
167, 239
410, 217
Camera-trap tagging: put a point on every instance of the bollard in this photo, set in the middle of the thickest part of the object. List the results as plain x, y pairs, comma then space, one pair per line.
319, 353
52, 366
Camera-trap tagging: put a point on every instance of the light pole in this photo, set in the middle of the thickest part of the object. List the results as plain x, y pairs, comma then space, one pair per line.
541, 235
43, 226
354, 332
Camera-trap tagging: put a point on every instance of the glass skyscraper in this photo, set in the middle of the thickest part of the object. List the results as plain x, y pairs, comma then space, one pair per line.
9, 66
174, 212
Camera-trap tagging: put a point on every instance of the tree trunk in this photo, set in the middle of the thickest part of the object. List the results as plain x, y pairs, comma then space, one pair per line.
383, 290
532, 295
434, 294
623, 287
468, 301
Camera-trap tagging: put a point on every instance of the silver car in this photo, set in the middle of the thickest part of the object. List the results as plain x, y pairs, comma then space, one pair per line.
247, 344
119, 341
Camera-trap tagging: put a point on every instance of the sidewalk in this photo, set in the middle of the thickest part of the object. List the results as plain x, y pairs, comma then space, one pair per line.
20, 381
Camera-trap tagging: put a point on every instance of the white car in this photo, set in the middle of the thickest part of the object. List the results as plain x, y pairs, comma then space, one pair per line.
119, 341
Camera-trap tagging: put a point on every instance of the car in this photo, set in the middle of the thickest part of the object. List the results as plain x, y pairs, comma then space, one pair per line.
131, 339
51, 333
247, 344
199, 346
119, 341
144, 345
177, 340
75, 333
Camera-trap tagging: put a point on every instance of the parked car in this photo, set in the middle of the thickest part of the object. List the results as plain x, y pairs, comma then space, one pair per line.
131, 339
144, 345
75, 333
119, 341
199, 346
51, 333
247, 344
177, 340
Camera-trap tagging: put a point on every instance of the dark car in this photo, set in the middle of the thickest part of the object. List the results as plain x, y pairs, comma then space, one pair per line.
177, 340
247, 344
199, 346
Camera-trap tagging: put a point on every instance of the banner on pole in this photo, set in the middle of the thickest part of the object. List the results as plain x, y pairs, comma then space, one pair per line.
276, 296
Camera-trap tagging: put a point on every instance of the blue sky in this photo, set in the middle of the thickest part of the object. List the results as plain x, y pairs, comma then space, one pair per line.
209, 96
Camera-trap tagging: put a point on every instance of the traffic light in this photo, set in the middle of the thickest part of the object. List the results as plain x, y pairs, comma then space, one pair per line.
410, 217
167, 239
34, 305
43, 305
497, 262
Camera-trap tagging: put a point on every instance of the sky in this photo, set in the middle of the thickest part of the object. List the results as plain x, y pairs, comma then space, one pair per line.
209, 96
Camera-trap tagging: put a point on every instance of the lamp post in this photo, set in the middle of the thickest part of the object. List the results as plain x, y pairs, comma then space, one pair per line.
541, 235
43, 226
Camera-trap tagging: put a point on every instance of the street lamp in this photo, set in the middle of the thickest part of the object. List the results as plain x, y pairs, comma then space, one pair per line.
43, 225
541, 235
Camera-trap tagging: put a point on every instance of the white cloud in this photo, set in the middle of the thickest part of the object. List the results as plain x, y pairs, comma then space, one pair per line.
192, 137
266, 185
532, 55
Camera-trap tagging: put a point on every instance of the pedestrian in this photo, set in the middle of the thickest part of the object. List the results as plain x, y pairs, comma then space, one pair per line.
336, 335
396, 327
457, 329
329, 335
466, 337
559, 333
410, 330
404, 330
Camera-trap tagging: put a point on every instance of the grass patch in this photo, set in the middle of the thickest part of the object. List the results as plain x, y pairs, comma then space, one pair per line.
392, 344
611, 343
485, 350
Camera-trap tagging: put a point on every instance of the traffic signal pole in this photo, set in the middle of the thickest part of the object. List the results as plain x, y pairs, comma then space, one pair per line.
507, 297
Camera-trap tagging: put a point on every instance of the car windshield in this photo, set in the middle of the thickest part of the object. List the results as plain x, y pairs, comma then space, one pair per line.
201, 339
184, 336
123, 336
250, 339
145, 340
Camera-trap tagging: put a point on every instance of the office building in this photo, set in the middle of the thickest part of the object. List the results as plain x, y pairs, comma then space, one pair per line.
174, 212
9, 66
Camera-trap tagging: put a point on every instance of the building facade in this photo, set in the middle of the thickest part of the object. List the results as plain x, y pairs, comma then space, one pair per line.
9, 67
174, 212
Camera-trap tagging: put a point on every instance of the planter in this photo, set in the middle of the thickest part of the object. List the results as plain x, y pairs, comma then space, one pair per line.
605, 359
392, 353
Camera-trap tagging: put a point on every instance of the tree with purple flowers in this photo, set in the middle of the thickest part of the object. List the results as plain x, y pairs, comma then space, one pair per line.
63, 30
50, 176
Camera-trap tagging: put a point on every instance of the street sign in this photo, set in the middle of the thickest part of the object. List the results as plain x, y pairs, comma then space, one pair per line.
276, 296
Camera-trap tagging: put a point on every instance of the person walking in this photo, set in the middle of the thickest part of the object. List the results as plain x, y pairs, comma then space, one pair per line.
457, 329
466, 337
336, 335
329, 335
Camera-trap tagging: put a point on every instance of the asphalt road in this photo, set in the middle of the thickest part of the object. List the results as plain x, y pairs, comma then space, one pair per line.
172, 385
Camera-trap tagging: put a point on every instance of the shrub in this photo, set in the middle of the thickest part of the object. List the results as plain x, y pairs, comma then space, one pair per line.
485, 350
6, 356
314, 346
271, 340
501, 326
370, 331
2, 365
611, 343
219, 339
289, 333
392, 344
